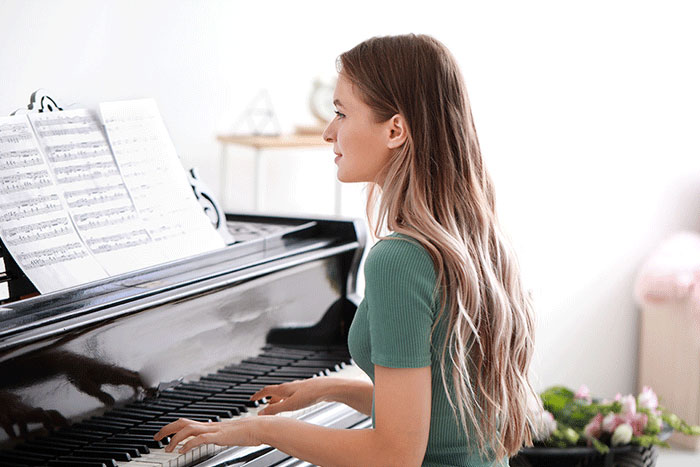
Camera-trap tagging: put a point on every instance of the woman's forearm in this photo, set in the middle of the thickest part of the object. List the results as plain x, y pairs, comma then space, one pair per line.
330, 446
354, 393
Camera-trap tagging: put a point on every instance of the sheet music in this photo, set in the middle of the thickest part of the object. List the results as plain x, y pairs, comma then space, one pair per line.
156, 180
89, 181
34, 223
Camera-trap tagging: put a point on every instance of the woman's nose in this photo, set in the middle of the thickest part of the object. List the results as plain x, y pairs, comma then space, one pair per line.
328, 133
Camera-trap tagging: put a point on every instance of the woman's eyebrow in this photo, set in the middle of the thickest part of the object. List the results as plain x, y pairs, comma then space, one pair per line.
337, 103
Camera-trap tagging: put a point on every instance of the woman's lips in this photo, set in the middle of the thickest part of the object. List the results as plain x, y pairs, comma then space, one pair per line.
338, 156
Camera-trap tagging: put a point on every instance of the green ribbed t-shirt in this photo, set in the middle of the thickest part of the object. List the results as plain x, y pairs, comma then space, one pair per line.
392, 328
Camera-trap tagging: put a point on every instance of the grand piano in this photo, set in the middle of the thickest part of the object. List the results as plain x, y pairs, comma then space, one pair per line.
89, 374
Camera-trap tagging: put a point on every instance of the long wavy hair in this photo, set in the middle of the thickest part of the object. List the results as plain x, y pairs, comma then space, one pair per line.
436, 189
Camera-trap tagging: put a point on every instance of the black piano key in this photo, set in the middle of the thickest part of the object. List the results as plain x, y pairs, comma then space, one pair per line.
182, 396
139, 414
106, 453
73, 435
227, 410
250, 366
298, 373
20, 457
140, 439
278, 353
132, 448
331, 364
225, 378
90, 431
287, 350
285, 359
267, 361
237, 402
43, 449
13, 464
265, 380
208, 411
168, 419
51, 441
192, 414
248, 387
80, 460
75, 463
210, 387
145, 431
163, 405
237, 370
121, 419
203, 390
102, 426
132, 452
213, 384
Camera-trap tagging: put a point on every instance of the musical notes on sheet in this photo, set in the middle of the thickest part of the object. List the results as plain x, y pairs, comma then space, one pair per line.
34, 222
53, 256
75, 208
156, 180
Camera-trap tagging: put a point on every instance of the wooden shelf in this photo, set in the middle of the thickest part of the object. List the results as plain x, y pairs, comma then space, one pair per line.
274, 142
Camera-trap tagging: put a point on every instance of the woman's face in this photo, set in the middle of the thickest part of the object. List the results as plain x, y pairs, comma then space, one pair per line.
359, 143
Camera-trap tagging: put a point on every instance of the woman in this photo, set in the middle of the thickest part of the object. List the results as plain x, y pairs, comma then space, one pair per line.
445, 331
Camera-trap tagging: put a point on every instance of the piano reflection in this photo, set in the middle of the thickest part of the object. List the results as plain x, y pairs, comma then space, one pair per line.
89, 374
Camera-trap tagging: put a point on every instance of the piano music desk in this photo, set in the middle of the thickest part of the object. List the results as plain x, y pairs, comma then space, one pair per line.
262, 143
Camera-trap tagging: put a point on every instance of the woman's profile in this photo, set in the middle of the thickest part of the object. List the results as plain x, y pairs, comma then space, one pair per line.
445, 330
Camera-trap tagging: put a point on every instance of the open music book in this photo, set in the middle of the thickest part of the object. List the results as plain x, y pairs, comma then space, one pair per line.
83, 199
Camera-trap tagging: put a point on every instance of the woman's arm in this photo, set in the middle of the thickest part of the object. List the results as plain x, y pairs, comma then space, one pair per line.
400, 436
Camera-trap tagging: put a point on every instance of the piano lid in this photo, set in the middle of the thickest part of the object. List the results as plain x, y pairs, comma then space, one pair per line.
261, 240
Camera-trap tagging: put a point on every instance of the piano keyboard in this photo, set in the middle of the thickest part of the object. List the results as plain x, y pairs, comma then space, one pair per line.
124, 435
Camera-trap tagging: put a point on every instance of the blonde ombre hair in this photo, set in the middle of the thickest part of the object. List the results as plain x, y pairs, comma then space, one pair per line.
436, 190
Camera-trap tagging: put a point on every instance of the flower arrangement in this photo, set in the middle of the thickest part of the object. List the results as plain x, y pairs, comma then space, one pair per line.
576, 419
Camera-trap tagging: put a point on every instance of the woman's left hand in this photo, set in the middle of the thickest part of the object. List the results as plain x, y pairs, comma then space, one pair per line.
229, 433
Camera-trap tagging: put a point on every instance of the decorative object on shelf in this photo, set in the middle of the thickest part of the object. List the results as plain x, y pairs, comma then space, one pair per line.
259, 118
576, 430
320, 105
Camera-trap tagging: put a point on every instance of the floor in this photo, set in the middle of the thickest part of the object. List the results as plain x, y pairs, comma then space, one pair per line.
678, 458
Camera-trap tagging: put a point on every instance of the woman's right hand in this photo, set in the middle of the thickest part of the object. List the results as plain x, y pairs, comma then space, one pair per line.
294, 395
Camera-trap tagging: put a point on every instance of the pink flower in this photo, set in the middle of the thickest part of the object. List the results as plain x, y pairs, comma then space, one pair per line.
593, 429
629, 404
638, 422
648, 399
583, 394
611, 421
618, 396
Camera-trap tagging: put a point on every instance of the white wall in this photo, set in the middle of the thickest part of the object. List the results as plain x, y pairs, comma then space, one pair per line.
587, 114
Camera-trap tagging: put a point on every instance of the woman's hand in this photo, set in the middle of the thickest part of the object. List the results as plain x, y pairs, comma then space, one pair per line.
229, 433
294, 395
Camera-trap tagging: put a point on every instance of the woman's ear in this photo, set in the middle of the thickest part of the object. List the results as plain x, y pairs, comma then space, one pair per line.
398, 131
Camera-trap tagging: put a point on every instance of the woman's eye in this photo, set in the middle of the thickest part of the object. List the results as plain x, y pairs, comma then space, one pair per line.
338, 114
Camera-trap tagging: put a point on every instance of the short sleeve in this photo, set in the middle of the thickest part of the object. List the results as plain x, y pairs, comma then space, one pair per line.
400, 283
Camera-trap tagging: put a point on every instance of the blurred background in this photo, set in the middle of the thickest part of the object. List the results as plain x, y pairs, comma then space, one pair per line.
587, 115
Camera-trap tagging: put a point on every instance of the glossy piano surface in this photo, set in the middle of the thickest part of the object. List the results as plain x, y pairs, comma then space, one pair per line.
76, 353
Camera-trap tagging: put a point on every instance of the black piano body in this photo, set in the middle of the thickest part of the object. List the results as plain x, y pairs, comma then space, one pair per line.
78, 353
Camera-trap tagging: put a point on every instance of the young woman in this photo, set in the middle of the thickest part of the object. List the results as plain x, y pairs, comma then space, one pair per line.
445, 330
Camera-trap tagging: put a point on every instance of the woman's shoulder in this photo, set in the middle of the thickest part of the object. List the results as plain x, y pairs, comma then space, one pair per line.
399, 251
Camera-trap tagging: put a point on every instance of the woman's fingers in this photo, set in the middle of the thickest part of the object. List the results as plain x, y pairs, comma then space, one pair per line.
190, 430
173, 427
276, 408
204, 438
279, 391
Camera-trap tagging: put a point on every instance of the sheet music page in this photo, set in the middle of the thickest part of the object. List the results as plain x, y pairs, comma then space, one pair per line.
34, 222
156, 179
86, 175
